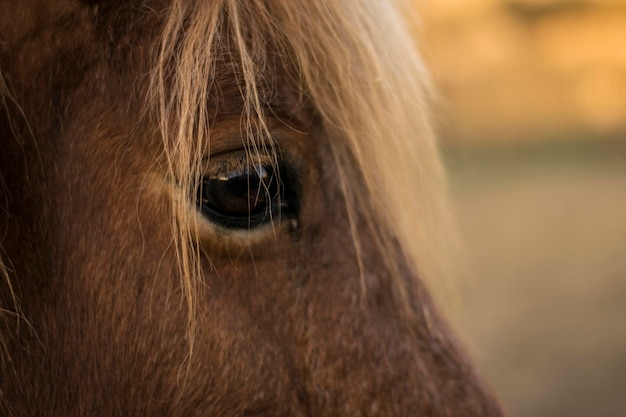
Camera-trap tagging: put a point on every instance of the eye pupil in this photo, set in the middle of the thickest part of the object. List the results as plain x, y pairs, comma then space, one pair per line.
241, 198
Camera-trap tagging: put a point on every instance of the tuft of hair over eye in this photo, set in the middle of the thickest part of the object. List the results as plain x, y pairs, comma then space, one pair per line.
359, 70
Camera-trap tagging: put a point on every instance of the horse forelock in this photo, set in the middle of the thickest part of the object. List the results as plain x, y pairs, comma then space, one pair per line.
347, 65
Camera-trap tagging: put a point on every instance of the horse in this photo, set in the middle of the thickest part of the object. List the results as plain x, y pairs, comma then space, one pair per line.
222, 208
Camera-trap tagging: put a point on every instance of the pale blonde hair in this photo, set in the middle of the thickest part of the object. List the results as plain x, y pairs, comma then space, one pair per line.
357, 64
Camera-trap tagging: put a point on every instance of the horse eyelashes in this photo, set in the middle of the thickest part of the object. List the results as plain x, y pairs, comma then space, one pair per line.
245, 196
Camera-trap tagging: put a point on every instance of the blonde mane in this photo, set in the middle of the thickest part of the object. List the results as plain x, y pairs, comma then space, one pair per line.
355, 62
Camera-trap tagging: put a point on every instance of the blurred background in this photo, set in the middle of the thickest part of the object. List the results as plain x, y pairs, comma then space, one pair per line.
531, 111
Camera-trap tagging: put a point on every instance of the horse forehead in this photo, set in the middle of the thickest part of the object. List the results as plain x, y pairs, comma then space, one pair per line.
107, 36
227, 83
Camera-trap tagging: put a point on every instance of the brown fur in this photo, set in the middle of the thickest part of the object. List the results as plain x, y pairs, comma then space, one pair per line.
122, 301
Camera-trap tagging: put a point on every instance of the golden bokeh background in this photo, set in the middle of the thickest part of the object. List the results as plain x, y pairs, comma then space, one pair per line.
528, 70
531, 112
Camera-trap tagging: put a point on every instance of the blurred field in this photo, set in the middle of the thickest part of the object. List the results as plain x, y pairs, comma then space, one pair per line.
531, 109
526, 70
545, 283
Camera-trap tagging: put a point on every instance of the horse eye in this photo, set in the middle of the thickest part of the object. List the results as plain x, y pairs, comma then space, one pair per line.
242, 198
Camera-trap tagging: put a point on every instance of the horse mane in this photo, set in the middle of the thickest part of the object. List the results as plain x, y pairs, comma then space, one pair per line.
355, 63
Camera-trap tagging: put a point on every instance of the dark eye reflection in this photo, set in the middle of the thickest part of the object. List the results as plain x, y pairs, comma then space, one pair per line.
243, 197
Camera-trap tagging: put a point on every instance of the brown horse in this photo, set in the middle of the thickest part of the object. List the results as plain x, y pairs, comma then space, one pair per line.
219, 208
